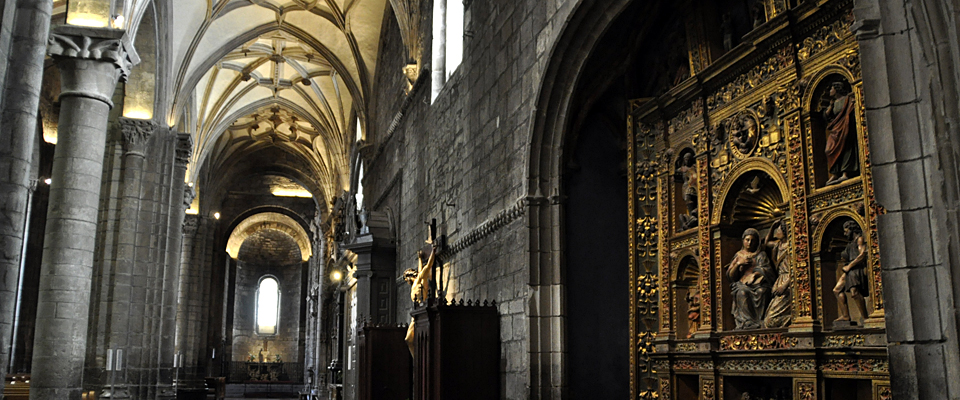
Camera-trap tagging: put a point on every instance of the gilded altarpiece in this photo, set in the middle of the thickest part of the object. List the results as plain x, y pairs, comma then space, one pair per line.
754, 260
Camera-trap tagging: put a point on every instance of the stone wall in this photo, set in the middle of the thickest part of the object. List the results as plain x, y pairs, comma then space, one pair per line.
267, 253
463, 160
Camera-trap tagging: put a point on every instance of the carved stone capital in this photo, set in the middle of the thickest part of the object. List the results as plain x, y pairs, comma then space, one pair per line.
189, 193
190, 224
101, 44
91, 60
136, 134
184, 149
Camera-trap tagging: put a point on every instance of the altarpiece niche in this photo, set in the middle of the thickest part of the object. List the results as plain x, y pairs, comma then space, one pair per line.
754, 248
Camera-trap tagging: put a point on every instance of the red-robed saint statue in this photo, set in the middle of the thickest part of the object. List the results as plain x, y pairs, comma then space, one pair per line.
843, 161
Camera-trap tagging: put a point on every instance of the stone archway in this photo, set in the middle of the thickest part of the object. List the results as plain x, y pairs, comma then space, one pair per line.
556, 122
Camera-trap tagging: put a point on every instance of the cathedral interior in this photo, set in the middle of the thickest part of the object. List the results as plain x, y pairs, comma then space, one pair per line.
480, 199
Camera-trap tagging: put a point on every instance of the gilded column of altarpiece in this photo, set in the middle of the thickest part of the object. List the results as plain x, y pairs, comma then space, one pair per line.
754, 259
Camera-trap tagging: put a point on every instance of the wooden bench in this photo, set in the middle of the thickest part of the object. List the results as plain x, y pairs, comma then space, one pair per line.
17, 387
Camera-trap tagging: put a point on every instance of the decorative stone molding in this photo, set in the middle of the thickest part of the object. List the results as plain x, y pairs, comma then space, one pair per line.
491, 225
136, 134
184, 149
99, 44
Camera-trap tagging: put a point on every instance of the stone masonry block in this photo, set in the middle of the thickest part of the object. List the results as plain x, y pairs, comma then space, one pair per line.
912, 185
875, 87
506, 328
931, 366
928, 126
903, 363
887, 191
906, 131
900, 67
925, 304
899, 312
890, 230
519, 327
918, 238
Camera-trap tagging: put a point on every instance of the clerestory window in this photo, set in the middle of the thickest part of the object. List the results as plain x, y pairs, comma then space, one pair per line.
447, 41
268, 306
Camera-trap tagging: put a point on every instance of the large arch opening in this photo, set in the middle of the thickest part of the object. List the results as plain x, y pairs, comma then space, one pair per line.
580, 153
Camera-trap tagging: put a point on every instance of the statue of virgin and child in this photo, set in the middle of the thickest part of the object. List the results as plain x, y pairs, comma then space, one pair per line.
760, 285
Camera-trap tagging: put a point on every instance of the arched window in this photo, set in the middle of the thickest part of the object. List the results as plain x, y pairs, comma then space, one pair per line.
268, 306
448, 16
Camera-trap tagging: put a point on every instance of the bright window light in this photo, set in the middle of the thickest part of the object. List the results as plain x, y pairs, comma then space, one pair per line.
447, 42
359, 192
279, 192
268, 306
359, 131
454, 33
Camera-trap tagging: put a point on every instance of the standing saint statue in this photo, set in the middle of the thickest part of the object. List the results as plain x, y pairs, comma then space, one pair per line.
688, 174
419, 281
843, 162
780, 310
854, 277
752, 278
693, 312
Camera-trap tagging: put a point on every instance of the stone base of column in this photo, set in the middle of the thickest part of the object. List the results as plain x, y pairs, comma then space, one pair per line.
166, 392
115, 392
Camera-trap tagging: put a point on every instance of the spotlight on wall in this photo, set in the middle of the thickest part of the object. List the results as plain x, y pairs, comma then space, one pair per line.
336, 276
216, 215
48, 181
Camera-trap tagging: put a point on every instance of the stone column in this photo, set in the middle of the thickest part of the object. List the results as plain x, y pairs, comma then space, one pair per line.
190, 285
908, 53
125, 300
91, 61
182, 197
21, 99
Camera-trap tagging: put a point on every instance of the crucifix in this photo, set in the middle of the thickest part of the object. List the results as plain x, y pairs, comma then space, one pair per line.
434, 243
422, 283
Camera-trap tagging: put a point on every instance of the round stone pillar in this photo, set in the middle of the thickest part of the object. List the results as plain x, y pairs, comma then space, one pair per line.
91, 61
127, 301
182, 197
21, 98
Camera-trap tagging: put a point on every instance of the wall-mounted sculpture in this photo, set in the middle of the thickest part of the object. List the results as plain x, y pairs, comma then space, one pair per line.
843, 160
743, 134
687, 175
751, 284
693, 312
780, 310
853, 281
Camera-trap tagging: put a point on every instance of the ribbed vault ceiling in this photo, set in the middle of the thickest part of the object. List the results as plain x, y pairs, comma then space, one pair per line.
253, 74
